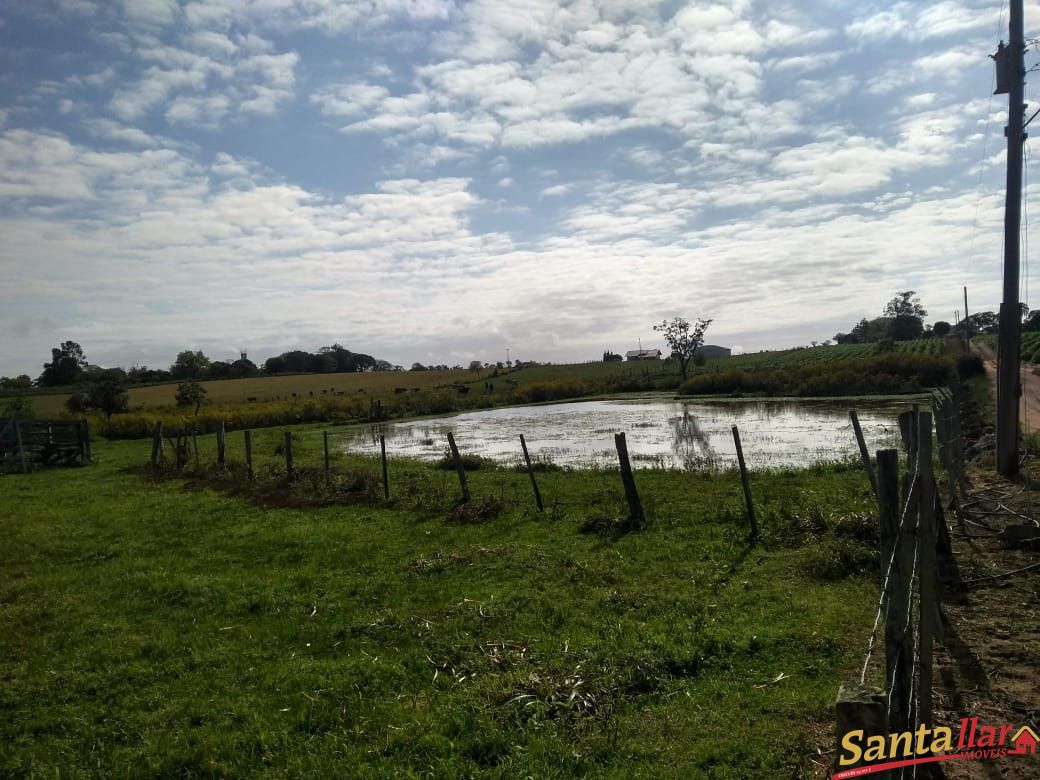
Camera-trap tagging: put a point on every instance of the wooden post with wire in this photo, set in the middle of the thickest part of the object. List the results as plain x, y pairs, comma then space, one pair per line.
21, 445
221, 451
530, 473
895, 587
635, 506
288, 455
249, 453
864, 455
386, 474
325, 451
460, 469
157, 445
928, 571
752, 520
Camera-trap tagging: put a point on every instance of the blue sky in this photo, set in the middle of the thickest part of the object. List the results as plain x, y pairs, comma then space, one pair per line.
436, 181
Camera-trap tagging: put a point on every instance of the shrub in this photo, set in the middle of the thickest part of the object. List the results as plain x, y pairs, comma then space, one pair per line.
888, 372
969, 366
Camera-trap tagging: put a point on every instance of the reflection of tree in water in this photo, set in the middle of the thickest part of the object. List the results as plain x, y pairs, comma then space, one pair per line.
690, 444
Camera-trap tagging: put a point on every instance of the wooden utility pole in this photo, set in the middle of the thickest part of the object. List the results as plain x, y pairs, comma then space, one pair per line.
967, 333
1011, 71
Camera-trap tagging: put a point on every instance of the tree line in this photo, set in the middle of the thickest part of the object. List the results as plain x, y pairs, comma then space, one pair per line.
903, 320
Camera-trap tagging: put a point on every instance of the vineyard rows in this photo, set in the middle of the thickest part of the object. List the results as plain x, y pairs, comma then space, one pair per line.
804, 356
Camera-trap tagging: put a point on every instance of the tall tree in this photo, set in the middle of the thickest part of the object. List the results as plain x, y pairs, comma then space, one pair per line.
66, 366
190, 365
683, 339
905, 304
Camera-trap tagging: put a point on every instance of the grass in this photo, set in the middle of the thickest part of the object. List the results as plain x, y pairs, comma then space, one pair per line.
529, 384
190, 627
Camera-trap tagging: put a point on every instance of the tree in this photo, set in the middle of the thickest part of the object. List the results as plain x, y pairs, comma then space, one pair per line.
20, 382
66, 366
905, 304
1032, 321
109, 396
77, 403
683, 339
190, 365
475, 365
189, 393
941, 328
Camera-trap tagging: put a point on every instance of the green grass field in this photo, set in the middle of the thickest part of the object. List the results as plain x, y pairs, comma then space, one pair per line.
193, 627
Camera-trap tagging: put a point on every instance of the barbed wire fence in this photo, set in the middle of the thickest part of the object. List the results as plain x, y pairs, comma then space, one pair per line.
915, 547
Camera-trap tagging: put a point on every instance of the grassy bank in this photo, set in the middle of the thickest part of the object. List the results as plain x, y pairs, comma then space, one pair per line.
189, 627
852, 369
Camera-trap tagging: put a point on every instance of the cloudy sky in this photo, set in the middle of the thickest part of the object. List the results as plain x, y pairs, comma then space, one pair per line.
440, 180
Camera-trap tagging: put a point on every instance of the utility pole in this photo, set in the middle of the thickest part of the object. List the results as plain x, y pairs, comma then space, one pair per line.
1011, 59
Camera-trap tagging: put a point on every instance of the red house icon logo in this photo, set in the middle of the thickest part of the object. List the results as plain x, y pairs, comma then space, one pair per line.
1025, 742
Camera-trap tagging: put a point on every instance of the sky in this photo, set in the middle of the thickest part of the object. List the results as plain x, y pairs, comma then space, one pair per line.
440, 181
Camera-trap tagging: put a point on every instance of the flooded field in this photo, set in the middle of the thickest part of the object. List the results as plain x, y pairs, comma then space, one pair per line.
662, 433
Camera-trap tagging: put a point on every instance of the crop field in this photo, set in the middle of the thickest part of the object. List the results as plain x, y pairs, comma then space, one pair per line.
199, 626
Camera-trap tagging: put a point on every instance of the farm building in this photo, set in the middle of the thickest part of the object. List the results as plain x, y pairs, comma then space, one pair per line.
715, 351
643, 354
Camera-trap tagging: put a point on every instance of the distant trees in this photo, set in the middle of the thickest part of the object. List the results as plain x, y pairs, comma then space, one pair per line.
611, 357
980, 322
189, 393
328, 360
475, 365
66, 366
190, 365
902, 320
683, 339
20, 382
941, 328
108, 396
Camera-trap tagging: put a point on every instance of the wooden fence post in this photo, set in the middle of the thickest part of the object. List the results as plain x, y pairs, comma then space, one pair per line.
386, 474
249, 453
928, 573
858, 708
86, 442
325, 450
530, 473
908, 433
895, 587
220, 443
157, 444
635, 506
864, 455
288, 455
459, 468
21, 445
752, 520
79, 439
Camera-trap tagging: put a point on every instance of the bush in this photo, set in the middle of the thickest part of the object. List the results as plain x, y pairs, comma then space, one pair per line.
969, 366
888, 372
836, 559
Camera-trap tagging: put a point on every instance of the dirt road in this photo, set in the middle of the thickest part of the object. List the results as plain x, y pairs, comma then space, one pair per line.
1029, 408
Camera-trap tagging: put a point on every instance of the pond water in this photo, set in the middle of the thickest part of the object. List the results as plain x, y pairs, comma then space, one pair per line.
662, 433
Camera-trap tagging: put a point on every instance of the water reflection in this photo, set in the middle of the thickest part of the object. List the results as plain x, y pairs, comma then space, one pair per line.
690, 444
661, 432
